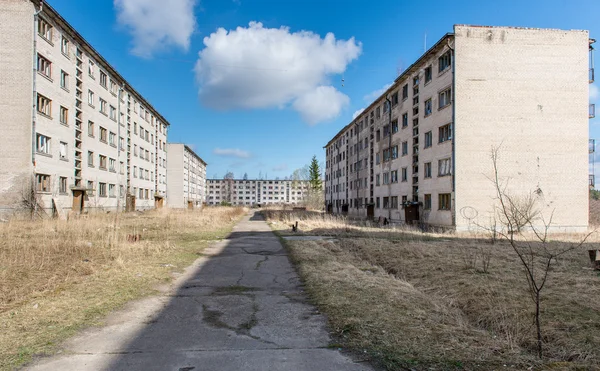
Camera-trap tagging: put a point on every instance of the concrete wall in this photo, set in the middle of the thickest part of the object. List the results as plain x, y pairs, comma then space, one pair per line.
526, 92
16, 99
175, 183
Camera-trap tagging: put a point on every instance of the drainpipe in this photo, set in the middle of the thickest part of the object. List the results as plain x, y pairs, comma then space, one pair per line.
453, 126
389, 103
356, 126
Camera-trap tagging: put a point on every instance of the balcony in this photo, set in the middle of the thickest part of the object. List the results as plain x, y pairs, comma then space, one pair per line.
592, 75
592, 111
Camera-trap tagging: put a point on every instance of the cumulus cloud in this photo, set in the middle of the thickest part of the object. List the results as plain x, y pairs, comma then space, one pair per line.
357, 112
322, 104
280, 167
376, 94
157, 24
594, 92
231, 152
258, 67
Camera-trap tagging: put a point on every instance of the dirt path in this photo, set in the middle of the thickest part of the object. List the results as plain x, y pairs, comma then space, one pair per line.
240, 307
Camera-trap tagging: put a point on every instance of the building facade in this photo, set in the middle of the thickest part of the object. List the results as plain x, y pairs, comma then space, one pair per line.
73, 129
186, 177
255, 192
421, 152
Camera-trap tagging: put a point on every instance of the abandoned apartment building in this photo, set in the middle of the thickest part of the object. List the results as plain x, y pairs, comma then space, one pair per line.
72, 127
421, 152
256, 192
186, 177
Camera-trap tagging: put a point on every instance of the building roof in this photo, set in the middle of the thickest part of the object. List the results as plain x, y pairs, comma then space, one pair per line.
410, 70
52, 13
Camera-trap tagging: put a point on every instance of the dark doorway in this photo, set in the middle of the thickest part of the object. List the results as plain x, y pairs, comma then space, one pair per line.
411, 213
78, 200
158, 202
370, 211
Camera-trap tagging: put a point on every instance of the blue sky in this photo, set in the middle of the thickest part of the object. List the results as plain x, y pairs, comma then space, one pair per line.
259, 98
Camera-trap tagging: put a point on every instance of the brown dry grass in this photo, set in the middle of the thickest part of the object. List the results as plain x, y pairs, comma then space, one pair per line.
418, 301
60, 275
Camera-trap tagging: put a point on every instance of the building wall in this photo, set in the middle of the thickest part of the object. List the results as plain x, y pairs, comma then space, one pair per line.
526, 92
255, 192
175, 183
16, 99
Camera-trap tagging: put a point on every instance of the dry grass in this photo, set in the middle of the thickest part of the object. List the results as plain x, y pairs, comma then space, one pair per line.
60, 275
421, 301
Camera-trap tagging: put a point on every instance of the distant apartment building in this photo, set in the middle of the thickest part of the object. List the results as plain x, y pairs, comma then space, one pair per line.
255, 192
421, 152
186, 177
71, 126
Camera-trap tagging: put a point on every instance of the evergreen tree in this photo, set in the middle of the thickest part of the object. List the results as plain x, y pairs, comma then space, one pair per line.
314, 175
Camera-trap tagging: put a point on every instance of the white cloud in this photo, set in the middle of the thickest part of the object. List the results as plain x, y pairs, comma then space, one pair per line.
322, 104
280, 167
357, 112
258, 67
594, 92
369, 98
157, 24
231, 152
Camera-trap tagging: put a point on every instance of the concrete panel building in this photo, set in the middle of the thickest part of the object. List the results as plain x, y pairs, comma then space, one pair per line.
186, 177
72, 127
421, 152
255, 192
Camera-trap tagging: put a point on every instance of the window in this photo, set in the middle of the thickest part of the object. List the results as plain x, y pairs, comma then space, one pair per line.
445, 98
428, 74
102, 162
444, 201
103, 106
427, 107
404, 148
378, 112
44, 66
394, 202
394, 152
64, 115
405, 119
91, 68
394, 176
444, 167
64, 80
404, 174
112, 163
445, 133
44, 29
42, 182
427, 169
62, 185
386, 131
428, 139
377, 159
386, 202
444, 61
91, 98
90, 159
91, 129
405, 92
102, 189
113, 87
427, 202
122, 167
103, 134
394, 98
63, 150
112, 139
113, 113
135, 171
64, 46
394, 126
42, 144
386, 178
377, 182
111, 190
103, 79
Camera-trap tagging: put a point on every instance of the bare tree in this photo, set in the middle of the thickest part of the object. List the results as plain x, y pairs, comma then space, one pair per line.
519, 221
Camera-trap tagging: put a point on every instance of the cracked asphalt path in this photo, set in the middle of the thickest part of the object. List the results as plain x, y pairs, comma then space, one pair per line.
240, 307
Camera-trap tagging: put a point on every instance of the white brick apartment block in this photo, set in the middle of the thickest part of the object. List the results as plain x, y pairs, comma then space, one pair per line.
524, 91
255, 192
186, 177
72, 127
